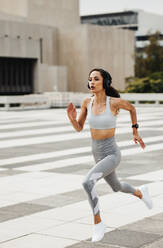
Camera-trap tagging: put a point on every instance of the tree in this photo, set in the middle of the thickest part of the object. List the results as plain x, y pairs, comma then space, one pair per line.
148, 68
150, 59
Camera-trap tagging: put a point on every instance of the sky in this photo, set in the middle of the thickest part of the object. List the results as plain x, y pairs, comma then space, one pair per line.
88, 7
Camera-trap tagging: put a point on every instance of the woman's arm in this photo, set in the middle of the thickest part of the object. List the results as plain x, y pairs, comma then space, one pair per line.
123, 104
72, 114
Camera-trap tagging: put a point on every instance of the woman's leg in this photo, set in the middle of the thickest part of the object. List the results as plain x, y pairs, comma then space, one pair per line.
102, 169
116, 185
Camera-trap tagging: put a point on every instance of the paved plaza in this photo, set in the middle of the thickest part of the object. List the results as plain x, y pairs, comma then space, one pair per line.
43, 162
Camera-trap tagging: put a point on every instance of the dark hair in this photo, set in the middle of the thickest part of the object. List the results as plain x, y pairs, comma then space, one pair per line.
107, 80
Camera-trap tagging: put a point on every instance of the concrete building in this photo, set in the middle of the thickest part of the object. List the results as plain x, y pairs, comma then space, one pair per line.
43, 47
142, 23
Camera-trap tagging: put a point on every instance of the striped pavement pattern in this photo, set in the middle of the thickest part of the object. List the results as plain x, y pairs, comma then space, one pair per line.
43, 163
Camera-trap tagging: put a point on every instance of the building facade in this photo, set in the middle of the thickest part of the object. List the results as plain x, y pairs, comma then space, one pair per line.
142, 23
44, 47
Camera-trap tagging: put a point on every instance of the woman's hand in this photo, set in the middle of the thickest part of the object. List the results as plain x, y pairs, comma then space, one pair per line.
137, 139
71, 111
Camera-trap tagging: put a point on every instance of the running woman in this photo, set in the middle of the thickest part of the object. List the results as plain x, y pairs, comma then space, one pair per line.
102, 109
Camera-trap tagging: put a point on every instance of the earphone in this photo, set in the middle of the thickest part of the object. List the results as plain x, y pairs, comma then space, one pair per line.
107, 79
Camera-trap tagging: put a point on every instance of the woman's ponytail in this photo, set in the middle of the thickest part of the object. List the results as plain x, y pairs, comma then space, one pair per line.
110, 91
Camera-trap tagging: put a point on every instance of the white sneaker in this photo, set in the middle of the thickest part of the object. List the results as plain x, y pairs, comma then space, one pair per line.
146, 197
98, 232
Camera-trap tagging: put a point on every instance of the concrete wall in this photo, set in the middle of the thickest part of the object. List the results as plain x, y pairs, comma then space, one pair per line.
73, 54
54, 12
112, 49
14, 7
23, 37
52, 78
50, 31
23, 40
19, 47
89, 46
8, 17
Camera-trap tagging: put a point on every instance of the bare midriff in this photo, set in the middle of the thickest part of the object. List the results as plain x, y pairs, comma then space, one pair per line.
100, 134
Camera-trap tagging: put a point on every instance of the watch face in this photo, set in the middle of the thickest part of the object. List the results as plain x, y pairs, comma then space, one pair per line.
136, 125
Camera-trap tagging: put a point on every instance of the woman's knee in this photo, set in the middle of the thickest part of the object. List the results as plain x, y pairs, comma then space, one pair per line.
88, 185
91, 180
116, 187
85, 183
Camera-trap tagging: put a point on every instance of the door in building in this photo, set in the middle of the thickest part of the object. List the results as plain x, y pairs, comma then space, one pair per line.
16, 76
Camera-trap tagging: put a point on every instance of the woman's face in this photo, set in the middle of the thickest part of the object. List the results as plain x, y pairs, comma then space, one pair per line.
95, 81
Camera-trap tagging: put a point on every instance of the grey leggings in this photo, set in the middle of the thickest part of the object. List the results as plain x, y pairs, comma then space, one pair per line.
107, 157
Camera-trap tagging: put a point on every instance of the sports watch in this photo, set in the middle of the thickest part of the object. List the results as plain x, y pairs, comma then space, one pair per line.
135, 125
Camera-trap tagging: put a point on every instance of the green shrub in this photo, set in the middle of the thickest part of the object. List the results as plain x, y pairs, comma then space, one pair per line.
151, 84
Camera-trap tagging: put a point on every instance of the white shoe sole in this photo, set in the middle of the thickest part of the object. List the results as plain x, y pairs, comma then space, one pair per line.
98, 238
146, 197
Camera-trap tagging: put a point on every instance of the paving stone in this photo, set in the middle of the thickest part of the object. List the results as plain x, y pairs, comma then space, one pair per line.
5, 216
29, 163
150, 236
143, 134
134, 182
103, 188
34, 127
58, 200
157, 217
149, 225
157, 244
21, 209
87, 244
128, 238
72, 169
11, 172
26, 207
37, 135
43, 148
130, 166
70, 197
13, 121
82, 172
136, 167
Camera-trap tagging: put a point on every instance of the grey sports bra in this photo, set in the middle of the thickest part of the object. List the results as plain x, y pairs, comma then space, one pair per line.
105, 120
